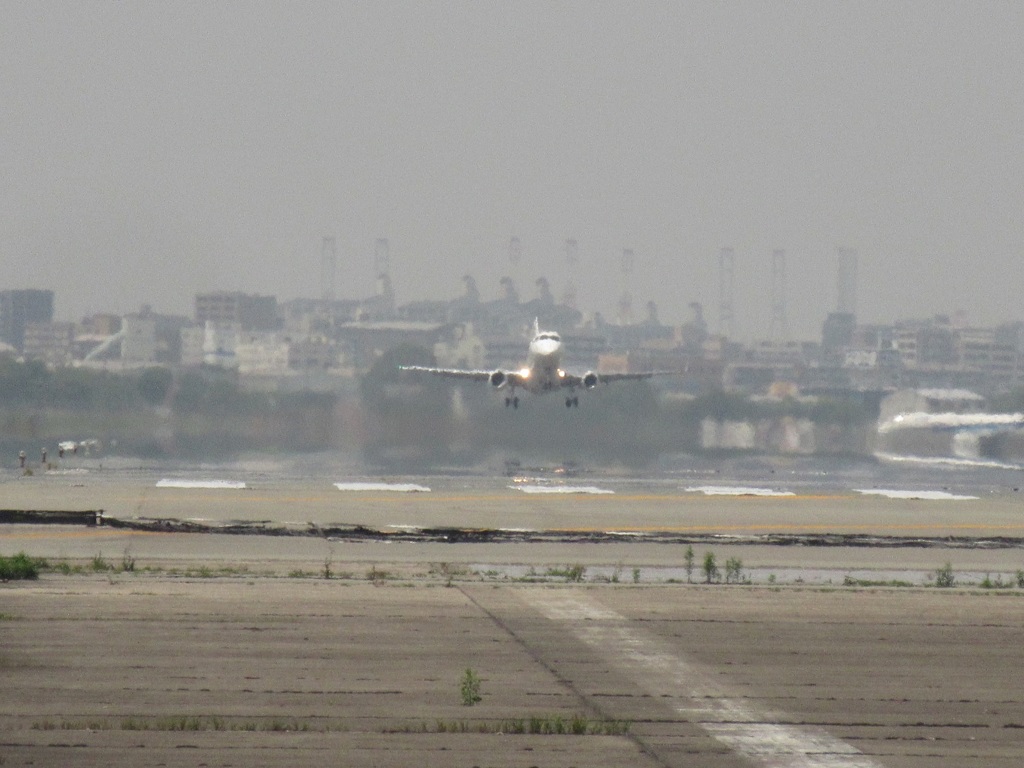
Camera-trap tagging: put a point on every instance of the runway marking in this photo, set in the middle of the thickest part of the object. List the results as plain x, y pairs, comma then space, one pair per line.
229, 485
734, 490
383, 487
741, 726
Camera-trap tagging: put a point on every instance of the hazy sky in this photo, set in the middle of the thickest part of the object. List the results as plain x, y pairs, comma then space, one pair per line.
151, 150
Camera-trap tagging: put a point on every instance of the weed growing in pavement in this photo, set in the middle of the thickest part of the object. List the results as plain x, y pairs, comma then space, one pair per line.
449, 572
469, 688
1020, 579
572, 573
547, 725
944, 576
177, 723
733, 571
66, 569
19, 566
576, 572
636, 575
988, 583
688, 562
849, 581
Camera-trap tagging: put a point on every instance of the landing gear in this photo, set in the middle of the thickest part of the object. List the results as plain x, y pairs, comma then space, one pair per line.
572, 402
513, 401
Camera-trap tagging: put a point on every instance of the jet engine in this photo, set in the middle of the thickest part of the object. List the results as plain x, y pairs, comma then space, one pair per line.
498, 379
589, 380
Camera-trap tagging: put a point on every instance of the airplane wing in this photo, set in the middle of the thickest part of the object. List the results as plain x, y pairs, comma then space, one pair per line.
590, 380
498, 378
449, 373
606, 378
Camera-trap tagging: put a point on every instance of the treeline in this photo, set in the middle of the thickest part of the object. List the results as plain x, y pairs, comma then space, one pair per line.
32, 385
397, 418
156, 412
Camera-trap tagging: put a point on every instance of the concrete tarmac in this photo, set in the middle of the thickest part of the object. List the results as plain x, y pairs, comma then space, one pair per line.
143, 669
236, 650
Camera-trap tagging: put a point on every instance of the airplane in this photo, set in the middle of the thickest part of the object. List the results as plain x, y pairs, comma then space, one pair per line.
542, 373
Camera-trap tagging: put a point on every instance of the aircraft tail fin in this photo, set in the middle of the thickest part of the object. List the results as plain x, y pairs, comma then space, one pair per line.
536, 327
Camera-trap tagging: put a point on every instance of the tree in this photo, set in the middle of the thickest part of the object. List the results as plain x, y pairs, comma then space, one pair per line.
409, 416
710, 567
154, 384
688, 560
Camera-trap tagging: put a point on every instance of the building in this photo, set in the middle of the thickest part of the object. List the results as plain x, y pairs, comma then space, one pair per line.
138, 340
837, 337
314, 353
367, 341
219, 342
261, 354
982, 350
18, 308
53, 343
249, 312
192, 340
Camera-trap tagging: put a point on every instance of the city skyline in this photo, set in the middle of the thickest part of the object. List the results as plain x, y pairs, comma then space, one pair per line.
153, 151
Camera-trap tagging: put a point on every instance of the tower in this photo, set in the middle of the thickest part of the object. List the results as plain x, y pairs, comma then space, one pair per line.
382, 258
18, 308
726, 273
779, 329
382, 273
626, 301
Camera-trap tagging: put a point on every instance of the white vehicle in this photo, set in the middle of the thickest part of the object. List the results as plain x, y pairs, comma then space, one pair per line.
542, 373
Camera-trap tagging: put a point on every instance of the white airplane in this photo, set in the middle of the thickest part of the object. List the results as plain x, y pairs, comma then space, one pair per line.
542, 373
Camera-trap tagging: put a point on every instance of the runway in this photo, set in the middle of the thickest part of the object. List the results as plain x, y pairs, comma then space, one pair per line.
826, 524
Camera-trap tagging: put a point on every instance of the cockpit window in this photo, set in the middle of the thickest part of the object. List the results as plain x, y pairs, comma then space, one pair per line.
549, 337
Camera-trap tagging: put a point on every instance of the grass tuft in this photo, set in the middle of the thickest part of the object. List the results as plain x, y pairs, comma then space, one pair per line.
19, 566
944, 576
571, 573
469, 688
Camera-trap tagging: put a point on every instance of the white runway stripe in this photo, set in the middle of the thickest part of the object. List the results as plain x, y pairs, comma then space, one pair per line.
204, 484
744, 728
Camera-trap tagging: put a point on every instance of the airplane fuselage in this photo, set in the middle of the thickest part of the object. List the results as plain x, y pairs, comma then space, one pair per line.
543, 371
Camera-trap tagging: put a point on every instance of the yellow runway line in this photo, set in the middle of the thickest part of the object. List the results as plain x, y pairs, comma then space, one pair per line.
447, 499
88, 534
